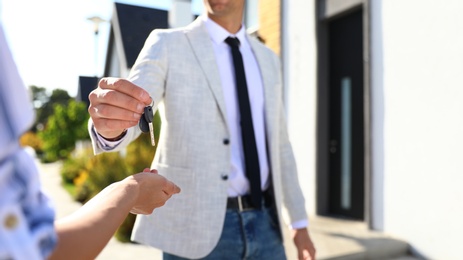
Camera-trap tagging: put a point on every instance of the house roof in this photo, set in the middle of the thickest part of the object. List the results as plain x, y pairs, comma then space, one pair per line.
132, 24
86, 85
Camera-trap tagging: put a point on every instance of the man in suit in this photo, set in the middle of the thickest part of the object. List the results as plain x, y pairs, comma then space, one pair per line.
191, 76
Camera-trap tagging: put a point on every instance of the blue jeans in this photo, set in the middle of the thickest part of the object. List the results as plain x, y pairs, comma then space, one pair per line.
246, 235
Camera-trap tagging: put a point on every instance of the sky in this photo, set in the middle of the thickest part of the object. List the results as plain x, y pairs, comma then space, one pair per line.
53, 42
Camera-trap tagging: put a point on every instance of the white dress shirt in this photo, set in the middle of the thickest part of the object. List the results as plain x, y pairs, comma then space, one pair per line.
238, 183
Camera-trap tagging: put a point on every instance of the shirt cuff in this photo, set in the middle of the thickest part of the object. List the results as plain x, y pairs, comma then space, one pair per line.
106, 144
299, 224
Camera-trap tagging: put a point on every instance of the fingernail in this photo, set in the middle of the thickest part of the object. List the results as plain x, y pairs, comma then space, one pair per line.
136, 115
140, 107
144, 96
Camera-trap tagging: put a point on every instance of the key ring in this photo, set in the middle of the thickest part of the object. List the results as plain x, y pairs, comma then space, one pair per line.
152, 102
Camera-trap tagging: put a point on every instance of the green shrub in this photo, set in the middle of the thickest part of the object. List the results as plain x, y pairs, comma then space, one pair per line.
72, 168
104, 170
31, 139
64, 127
83, 193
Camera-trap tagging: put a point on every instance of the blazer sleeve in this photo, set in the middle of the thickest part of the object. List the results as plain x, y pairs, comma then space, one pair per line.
293, 198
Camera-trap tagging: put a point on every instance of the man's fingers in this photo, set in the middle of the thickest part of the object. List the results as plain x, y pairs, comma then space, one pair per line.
113, 124
150, 170
114, 98
113, 112
110, 120
126, 87
304, 255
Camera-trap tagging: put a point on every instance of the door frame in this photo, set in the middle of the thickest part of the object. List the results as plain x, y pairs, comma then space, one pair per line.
327, 10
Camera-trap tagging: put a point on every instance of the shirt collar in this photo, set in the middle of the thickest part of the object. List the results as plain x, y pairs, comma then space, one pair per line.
218, 34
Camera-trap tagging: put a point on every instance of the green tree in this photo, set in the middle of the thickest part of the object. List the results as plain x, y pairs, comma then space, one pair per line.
39, 96
65, 126
43, 104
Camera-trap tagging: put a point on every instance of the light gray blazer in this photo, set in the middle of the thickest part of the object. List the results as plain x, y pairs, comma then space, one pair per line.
178, 68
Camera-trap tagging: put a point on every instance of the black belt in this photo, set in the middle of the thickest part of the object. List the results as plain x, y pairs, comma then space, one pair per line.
242, 203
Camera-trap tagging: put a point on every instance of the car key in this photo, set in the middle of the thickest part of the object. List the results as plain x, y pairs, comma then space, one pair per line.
148, 115
144, 127
146, 122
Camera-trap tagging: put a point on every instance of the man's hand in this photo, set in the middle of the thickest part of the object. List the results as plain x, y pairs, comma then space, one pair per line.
304, 245
116, 105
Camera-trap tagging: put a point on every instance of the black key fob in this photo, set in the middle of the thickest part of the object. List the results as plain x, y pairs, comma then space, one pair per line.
144, 127
148, 114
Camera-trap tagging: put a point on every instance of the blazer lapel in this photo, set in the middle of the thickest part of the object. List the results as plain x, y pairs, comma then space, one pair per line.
203, 50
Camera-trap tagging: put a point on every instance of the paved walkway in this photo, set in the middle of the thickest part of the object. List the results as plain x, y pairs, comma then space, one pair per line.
333, 238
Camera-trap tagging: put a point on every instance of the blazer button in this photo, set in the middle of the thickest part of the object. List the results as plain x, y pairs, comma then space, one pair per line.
226, 141
224, 177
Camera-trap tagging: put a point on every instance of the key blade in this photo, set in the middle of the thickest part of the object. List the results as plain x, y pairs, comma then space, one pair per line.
153, 143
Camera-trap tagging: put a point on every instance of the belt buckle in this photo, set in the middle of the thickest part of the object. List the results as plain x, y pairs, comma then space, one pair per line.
240, 204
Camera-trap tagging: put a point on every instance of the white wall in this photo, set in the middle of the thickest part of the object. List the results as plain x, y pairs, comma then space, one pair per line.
299, 59
377, 120
115, 66
422, 76
180, 13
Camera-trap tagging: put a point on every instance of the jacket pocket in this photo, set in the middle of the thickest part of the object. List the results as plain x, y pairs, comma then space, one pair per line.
183, 178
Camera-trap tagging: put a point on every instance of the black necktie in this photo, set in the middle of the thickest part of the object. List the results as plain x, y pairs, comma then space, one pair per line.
251, 157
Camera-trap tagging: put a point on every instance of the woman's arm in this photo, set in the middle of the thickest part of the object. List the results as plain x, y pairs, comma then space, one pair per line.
83, 234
